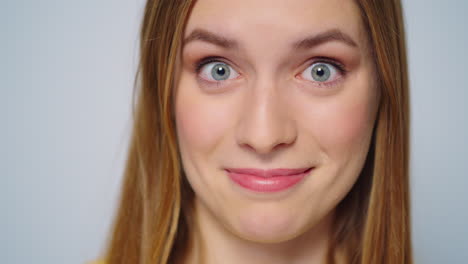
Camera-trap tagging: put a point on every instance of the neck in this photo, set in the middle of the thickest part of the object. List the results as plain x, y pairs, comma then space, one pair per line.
211, 243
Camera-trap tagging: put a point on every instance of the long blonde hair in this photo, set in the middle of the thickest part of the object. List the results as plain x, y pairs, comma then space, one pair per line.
373, 222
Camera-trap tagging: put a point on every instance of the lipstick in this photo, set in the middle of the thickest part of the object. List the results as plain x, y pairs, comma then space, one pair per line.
274, 180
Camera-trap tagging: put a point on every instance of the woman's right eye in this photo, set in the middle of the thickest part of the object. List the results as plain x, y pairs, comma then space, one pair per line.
217, 71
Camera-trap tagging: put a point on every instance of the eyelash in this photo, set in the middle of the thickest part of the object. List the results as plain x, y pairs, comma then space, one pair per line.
338, 65
335, 63
207, 60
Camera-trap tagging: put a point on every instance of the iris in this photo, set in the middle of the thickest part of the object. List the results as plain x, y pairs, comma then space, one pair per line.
321, 72
220, 72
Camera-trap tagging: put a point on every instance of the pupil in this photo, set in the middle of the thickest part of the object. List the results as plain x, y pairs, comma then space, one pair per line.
320, 72
221, 71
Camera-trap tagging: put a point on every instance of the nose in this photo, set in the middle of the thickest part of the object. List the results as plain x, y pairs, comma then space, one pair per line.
265, 123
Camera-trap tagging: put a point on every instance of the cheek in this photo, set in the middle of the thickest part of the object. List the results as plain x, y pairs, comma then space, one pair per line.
343, 123
201, 122
346, 125
194, 127
342, 126
341, 129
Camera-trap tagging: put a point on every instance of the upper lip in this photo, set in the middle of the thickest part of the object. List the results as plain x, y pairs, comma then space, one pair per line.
268, 173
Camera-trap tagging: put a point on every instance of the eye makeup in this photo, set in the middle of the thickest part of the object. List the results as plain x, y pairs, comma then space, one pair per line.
336, 65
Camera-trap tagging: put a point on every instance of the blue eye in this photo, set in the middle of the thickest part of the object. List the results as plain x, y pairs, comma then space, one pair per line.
320, 72
217, 71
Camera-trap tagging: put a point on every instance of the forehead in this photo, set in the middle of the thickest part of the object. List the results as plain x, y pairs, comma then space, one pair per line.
275, 20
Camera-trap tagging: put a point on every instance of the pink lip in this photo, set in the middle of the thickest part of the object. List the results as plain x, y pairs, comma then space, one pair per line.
267, 180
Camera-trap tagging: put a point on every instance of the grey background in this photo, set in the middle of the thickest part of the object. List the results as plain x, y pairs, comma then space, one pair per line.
66, 78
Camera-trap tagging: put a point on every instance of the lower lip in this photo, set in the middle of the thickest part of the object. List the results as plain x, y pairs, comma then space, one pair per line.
267, 184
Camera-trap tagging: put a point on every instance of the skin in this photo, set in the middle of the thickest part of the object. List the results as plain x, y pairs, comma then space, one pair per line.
271, 114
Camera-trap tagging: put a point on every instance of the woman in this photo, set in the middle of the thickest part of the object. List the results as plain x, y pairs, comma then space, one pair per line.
268, 132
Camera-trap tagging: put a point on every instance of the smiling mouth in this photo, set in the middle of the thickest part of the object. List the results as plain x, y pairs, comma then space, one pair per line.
264, 181
268, 173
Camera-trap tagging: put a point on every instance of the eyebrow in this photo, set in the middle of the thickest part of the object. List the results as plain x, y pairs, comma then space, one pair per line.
207, 36
307, 43
323, 37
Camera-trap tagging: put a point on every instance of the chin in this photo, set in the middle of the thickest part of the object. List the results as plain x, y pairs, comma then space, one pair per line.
264, 226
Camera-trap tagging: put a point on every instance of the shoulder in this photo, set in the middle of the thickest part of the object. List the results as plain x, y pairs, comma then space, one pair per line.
96, 262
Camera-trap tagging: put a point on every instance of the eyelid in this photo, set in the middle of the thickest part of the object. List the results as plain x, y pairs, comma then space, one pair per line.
209, 60
338, 67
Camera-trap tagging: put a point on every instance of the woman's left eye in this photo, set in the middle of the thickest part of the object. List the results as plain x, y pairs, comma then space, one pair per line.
217, 71
321, 72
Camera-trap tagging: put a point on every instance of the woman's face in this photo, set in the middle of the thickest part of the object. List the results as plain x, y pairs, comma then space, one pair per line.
270, 85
